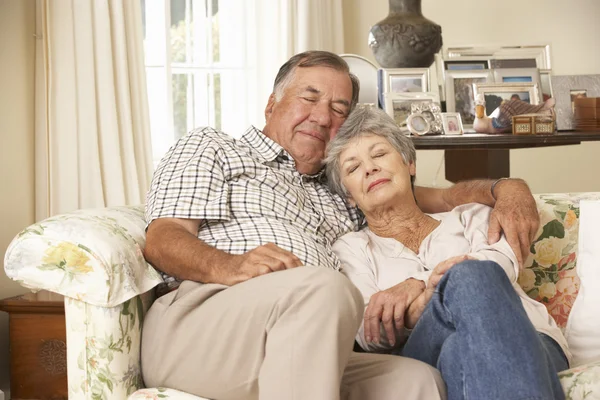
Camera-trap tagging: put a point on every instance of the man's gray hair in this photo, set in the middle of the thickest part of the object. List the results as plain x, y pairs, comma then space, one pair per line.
363, 121
314, 58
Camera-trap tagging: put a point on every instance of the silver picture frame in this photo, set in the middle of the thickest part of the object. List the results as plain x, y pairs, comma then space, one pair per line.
399, 105
459, 92
405, 80
517, 75
496, 93
565, 88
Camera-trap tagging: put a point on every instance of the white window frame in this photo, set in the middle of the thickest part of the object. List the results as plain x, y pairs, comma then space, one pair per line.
238, 86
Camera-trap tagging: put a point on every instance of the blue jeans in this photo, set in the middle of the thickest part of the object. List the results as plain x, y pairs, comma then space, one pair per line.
476, 332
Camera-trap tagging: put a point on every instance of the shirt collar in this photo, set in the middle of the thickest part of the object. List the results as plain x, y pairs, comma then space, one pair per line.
268, 150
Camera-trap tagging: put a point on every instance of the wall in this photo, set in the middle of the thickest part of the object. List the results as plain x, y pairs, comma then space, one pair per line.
17, 57
572, 30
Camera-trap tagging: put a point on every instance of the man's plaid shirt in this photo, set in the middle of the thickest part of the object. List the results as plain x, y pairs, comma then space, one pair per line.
248, 193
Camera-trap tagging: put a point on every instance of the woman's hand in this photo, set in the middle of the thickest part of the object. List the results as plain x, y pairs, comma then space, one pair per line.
417, 307
388, 307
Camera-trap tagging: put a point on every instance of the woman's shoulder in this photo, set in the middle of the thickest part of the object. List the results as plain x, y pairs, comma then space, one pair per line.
357, 238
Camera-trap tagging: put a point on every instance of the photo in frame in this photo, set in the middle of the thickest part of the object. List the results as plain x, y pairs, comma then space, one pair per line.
466, 65
405, 80
399, 105
517, 75
459, 92
565, 89
496, 93
452, 123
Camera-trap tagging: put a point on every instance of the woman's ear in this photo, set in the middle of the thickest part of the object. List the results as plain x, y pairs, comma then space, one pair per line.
412, 168
351, 201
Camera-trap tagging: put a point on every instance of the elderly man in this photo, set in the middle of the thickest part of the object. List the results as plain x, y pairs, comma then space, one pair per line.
230, 223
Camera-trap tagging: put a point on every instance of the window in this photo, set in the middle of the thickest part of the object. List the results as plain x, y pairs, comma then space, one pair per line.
198, 67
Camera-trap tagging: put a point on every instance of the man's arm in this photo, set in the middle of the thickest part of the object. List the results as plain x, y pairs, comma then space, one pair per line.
432, 200
515, 211
173, 247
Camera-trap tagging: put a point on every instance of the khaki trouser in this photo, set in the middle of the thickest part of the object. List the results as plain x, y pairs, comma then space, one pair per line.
284, 335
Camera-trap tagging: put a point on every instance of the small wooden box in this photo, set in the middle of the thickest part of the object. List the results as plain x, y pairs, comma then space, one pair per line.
533, 124
38, 350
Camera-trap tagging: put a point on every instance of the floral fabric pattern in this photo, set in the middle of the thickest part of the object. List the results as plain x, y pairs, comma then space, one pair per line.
162, 393
582, 383
550, 273
91, 255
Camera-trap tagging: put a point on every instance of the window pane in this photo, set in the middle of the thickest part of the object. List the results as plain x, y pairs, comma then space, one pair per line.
180, 104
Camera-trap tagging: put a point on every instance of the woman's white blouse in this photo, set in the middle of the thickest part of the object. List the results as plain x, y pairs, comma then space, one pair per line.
375, 263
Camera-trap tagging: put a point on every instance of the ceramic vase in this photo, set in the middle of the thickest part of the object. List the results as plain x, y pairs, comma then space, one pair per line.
405, 38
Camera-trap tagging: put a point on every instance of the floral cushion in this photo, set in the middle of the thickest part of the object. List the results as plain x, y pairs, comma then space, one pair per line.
582, 383
92, 255
162, 393
549, 275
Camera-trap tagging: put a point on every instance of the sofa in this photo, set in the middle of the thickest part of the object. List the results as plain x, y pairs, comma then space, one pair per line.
94, 258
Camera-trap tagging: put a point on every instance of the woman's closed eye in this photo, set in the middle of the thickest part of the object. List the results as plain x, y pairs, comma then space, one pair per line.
351, 169
379, 154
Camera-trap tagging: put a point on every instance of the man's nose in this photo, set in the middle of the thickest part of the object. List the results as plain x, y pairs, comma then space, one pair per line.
320, 114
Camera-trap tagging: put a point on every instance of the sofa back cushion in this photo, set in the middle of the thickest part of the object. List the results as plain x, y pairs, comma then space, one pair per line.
550, 271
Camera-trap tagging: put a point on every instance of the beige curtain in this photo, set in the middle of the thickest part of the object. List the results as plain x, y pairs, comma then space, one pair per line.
92, 137
287, 27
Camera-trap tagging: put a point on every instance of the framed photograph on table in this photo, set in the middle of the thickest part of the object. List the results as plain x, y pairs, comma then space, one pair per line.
496, 93
405, 80
566, 88
545, 84
459, 92
466, 65
398, 105
517, 75
452, 124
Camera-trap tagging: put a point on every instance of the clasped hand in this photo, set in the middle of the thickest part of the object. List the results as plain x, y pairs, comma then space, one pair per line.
402, 305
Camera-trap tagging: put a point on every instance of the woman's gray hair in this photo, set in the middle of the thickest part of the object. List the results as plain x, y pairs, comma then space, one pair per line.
364, 120
315, 58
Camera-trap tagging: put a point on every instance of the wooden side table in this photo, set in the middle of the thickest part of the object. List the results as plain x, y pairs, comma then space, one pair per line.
38, 350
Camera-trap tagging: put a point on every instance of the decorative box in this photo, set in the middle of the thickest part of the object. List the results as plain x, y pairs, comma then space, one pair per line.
587, 113
533, 124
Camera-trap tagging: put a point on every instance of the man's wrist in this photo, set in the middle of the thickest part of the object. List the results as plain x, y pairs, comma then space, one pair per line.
494, 185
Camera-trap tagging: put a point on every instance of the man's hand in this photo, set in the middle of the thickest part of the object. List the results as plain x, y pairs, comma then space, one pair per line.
388, 307
259, 261
417, 307
515, 214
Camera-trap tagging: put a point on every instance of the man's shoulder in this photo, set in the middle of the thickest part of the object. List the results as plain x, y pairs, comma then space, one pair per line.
208, 136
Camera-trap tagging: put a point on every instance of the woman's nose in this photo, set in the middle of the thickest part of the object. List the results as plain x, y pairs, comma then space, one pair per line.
371, 168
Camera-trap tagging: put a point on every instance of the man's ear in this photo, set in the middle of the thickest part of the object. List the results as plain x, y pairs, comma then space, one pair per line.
269, 107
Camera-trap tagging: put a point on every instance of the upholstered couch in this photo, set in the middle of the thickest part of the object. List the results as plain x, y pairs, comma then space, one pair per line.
94, 258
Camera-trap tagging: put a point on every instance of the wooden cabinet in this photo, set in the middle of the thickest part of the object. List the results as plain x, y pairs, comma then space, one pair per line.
38, 350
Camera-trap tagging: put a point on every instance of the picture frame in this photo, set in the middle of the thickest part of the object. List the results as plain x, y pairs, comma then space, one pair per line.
461, 65
496, 93
565, 88
418, 124
546, 84
540, 53
459, 92
452, 123
399, 105
405, 80
517, 75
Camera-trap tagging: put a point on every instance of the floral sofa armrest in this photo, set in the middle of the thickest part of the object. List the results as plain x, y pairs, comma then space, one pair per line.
103, 348
90, 255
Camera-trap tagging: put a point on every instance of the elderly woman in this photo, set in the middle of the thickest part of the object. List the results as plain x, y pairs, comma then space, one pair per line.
435, 278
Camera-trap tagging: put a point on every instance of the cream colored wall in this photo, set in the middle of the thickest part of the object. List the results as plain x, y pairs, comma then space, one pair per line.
570, 27
17, 25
